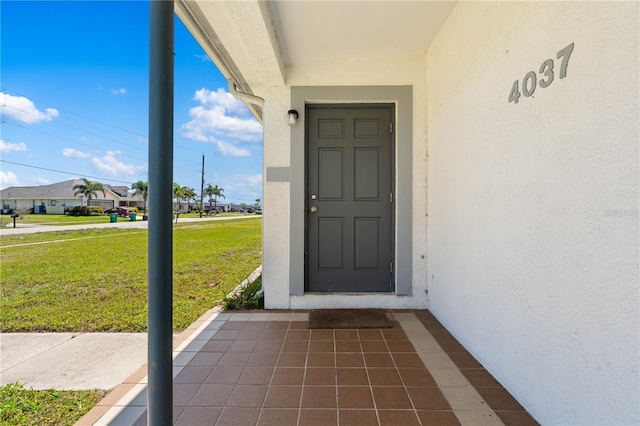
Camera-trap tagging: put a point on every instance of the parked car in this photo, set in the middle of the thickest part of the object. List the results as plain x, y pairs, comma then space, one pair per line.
122, 211
259, 211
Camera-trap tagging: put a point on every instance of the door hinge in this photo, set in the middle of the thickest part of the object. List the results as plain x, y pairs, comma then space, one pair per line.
391, 267
390, 127
391, 197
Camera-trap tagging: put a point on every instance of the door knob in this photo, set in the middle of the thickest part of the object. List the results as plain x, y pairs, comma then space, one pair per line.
314, 209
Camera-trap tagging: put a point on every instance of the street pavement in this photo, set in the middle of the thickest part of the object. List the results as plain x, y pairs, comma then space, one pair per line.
75, 360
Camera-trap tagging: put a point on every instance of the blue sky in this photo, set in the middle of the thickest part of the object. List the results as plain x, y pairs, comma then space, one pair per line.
74, 98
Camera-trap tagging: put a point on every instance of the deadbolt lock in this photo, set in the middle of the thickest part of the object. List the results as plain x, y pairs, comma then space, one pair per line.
314, 196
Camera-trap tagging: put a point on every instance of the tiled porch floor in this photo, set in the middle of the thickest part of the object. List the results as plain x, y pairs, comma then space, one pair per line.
267, 368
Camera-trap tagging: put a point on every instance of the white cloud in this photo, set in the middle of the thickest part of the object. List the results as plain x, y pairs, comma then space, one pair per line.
221, 116
12, 147
74, 153
246, 186
41, 181
119, 91
111, 166
203, 58
24, 110
230, 150
8, 179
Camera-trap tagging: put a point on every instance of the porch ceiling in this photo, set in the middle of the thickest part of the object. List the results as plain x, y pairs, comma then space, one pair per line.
254, 41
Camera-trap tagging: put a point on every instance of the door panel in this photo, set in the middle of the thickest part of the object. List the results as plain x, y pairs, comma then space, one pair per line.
349, 211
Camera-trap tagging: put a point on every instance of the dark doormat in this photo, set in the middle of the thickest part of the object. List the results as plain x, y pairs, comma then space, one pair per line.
348, 318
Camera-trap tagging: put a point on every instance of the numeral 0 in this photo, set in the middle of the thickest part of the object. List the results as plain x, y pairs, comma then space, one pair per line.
529, 81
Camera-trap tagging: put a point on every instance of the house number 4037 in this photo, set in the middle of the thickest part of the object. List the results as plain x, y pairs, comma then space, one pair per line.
530, 80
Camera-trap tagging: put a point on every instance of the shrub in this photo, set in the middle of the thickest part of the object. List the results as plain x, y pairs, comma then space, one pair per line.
250, 297
85, 211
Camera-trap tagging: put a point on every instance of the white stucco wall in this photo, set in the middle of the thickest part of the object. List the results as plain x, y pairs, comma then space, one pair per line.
405, 70
533, 208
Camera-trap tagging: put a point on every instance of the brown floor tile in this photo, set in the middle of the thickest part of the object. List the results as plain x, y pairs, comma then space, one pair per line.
438, 418
142, 420
405, 359
295, 346
374, 346
319, 397
278, 417
391, 398
283, 397
479, 377
268, 346
297, 335
440, 333
416, 377
398, 417
451, 346
205, 359
352, 376
234, 359
321, 345
357, 417
232, 416
378, 360
322, 334
351, 335
193, 374
516, 418
198, 416
256, 325
464, 360
224, 375
318, 418
256, 376
300, 325
400, 346
354, 397
247, 396
242, 346
384, 377
211, 395
349, 360
292, 359
288, 376
348, 346
370, 334
394, 334
184, 392
428, 398
249, 334
233, 325
274, 334
278, 325
216, 346
263, 359
225, 335
321, 359
499, 399
320, 376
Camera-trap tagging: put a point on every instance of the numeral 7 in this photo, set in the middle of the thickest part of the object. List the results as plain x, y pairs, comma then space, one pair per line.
565, 54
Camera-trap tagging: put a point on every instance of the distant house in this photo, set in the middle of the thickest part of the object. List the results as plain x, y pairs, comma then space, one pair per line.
56, 197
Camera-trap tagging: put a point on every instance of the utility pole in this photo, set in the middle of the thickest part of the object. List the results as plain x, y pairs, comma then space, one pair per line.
202, 186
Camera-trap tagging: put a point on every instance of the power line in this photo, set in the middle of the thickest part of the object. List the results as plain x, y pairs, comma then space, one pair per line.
66, 173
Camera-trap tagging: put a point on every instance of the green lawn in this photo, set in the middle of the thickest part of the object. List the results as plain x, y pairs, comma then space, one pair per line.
20, 406
96, 280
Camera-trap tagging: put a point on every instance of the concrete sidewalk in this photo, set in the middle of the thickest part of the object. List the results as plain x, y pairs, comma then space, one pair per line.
70, 360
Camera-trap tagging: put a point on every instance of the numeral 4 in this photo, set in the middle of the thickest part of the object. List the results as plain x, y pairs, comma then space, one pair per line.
515, 92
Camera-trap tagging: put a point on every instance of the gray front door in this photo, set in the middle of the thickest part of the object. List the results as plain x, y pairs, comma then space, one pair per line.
349, 198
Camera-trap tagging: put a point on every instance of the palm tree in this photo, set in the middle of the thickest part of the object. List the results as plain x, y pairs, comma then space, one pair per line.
89, 189
189, 194
142, 188
217, 192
